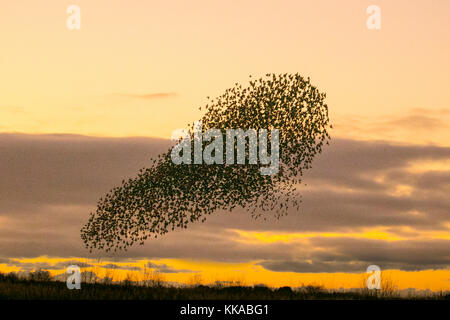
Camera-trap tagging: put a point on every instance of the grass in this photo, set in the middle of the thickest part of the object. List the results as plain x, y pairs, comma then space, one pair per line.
41, 287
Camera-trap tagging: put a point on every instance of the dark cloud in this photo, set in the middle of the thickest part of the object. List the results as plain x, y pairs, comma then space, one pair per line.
29, 266
311, 267
405, 255
351, 157
116, 266
40, 170
50, 183
163, 268
354, 255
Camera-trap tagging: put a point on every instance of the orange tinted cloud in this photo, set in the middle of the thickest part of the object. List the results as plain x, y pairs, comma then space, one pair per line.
149, 96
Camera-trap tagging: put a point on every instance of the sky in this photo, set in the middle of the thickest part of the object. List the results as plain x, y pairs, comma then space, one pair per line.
82, 109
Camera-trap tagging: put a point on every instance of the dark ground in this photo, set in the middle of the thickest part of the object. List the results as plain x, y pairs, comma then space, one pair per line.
14, 288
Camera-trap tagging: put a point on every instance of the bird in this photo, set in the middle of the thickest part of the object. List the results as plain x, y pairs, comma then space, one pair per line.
166, 196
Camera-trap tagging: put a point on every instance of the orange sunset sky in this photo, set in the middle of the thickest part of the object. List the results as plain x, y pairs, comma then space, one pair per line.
82, 109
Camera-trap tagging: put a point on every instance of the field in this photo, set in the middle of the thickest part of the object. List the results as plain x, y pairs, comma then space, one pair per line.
15, 288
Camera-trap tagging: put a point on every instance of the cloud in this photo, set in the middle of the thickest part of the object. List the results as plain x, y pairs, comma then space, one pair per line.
164, 268
311, 267
354, 255
116, 266
406, 255
39, 170
417, 125
29, 266
50, 183
13, 109
149, 96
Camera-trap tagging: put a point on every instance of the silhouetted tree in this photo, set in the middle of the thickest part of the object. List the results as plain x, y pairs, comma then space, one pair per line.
40, 275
